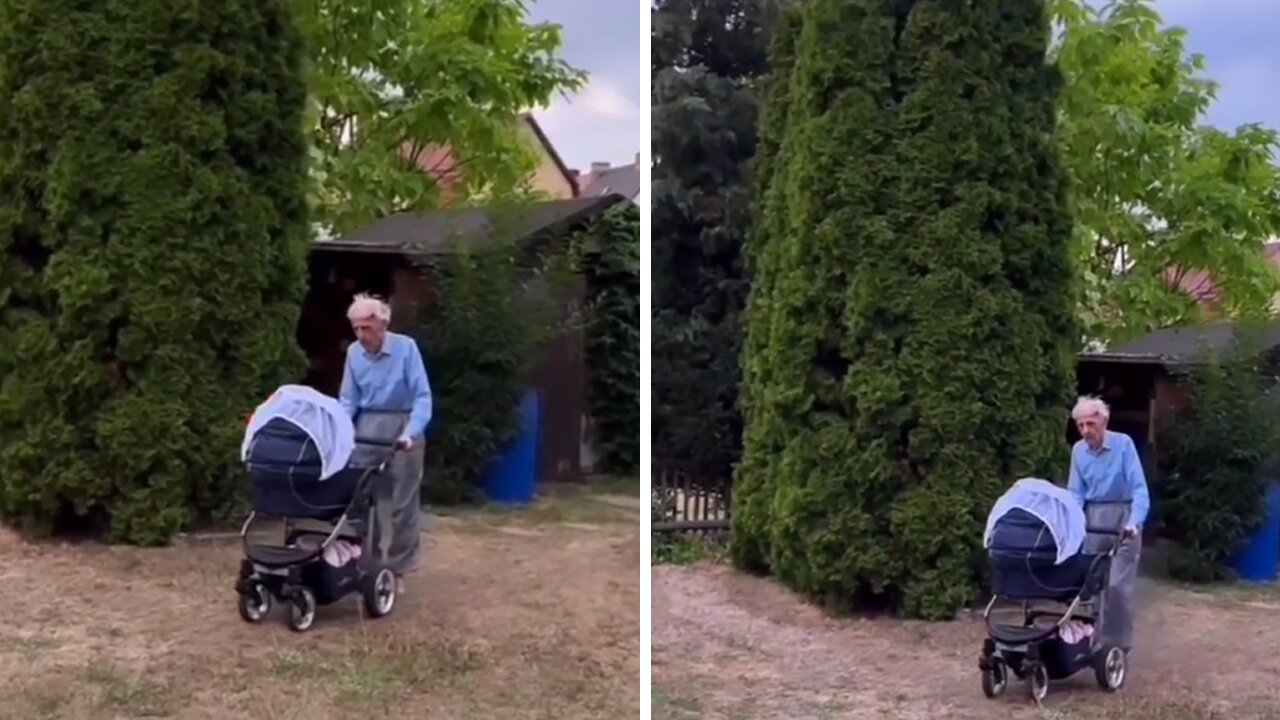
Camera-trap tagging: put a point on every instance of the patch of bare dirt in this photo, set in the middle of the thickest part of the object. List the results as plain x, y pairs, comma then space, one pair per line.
731, 646
540, 624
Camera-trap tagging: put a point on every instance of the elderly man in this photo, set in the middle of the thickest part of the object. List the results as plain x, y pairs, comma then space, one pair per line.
385, 389
1105, 468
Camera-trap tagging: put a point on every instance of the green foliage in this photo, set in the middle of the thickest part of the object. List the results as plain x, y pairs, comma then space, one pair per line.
492, 313
684, 550
1217, 458
152, 253
609, 257
392, 81
1157, 195
707, 58
910, 330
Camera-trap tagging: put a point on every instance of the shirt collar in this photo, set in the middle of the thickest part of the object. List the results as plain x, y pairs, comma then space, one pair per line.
382, 351
1106, 442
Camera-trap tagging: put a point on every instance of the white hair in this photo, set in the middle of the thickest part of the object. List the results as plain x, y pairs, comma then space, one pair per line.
1087, 406
368, 306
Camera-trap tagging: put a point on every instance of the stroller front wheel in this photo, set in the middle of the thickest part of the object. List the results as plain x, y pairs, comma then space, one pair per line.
302, 610
1037, 681
1110, 666
995, 678
380, 593
255, 604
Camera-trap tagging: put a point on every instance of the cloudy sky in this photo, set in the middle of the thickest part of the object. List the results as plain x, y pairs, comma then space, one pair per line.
1238, 40
602, 122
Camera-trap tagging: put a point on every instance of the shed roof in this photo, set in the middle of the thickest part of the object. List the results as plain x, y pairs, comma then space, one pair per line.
439, 232
1183, 345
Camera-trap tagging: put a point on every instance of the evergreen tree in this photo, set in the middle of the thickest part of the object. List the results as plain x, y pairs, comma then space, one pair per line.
910, 337
152, 253
707, 56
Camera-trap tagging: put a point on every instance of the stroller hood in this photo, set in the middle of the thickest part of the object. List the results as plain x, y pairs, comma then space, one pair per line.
321, 417
1055, 507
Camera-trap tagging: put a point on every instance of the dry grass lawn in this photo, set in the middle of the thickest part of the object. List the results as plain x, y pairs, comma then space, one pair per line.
732, 647
515, 614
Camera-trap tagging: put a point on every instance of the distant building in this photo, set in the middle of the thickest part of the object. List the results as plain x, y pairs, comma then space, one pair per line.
551, 176
604, 179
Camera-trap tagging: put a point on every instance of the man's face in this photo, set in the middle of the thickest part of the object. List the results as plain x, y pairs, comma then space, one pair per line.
1092, 429
370, 332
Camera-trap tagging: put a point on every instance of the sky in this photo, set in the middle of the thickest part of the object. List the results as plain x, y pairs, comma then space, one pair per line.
602, 122
1238, 40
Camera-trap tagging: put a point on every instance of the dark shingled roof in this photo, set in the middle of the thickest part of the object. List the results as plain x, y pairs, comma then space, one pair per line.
436, 233
1184, 344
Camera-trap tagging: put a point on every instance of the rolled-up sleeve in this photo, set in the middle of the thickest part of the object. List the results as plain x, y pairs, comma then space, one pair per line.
420, 387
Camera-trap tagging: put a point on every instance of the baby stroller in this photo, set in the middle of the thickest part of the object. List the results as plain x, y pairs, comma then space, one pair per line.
1051, 560
298, 450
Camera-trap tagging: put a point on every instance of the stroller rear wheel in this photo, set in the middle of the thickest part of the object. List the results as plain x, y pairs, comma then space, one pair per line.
380, 593
255, 604
1110, 666
302, 610
995, 678
1037, 680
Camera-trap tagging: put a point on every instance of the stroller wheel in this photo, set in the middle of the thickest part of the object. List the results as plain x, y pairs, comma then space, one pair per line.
302, 610
995, 679
255, 605
380, 593
1037, 681
1110, 666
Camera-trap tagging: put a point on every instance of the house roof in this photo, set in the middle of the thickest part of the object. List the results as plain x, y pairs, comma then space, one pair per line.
555, 156
1182, 345
622, 180
442, 231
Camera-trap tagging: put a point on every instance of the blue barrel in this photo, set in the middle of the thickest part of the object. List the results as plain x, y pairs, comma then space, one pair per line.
513, 476
1258, 561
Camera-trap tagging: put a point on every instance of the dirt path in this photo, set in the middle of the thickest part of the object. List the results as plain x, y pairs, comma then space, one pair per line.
732, 647
513, 616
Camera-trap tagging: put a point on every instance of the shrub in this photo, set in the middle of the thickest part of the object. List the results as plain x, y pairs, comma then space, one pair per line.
609, 259
910, 338
152, 254
492, 313
1216, 461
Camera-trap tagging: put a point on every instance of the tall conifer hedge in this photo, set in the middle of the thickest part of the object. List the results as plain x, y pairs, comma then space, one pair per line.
153, 236
910, 332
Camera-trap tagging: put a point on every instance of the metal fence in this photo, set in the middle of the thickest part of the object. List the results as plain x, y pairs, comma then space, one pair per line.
683, 502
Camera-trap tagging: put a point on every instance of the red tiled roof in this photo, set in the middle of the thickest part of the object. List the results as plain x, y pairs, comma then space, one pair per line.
1200, 285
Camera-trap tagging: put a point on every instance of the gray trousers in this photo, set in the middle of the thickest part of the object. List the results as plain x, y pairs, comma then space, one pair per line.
398, 503
1120, 605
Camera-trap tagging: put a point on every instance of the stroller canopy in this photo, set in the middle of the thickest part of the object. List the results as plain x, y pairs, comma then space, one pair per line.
321, 417
1054, 506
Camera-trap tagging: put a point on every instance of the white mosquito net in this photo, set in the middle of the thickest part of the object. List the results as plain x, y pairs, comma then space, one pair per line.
321, 417
1056, 507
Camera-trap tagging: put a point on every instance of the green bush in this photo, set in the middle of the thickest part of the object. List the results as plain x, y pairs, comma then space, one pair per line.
153, 240
492, 313
910, 334
1216, 461
609, 257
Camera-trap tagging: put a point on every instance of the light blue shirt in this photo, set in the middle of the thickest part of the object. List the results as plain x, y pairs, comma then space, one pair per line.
1112, 472
394, 378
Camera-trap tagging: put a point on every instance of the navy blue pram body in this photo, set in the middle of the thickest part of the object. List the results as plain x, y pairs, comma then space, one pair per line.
284, 472
1023, 556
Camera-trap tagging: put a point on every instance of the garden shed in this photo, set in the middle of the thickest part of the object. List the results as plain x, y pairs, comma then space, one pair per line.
387, 258
1138, 379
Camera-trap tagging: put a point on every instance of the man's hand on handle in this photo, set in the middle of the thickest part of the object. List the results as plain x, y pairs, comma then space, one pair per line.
1131, 532
404, 443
